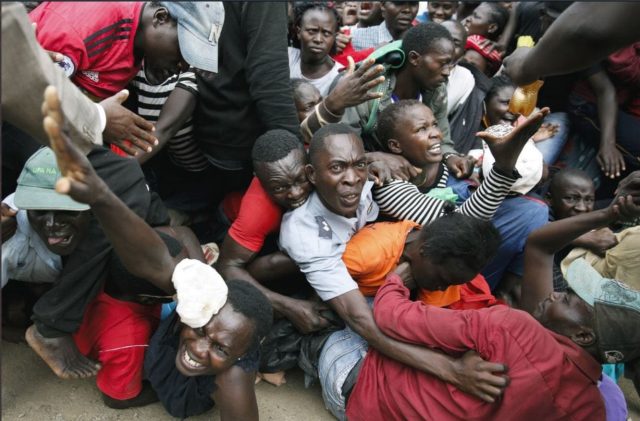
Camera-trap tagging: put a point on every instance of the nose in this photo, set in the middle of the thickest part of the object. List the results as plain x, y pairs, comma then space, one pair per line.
200, 348
351, 177
49, 219
580, 206
295, 192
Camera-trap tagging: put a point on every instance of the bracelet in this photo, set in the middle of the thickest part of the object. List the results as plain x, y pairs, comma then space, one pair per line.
448, 155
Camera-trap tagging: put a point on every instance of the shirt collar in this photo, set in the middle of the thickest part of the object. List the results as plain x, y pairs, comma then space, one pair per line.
580, 358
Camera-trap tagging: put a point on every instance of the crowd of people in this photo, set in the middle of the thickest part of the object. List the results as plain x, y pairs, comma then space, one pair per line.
431, 208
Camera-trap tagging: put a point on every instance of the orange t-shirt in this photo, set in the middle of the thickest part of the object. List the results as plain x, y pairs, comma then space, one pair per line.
375, 251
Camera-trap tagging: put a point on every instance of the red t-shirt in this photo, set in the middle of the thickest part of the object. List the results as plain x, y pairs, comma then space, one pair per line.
96, 38
551, 377
258, 217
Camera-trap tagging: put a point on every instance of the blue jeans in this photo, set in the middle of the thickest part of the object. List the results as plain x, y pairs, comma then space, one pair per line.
342, 351
515, 218
551, 148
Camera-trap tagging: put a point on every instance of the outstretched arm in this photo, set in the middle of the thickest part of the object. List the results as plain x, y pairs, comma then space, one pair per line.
584, 34
235, 395
477, 380
543, 243
141, 250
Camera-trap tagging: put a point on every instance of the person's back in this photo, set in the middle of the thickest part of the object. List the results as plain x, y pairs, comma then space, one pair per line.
251, 92
551, 378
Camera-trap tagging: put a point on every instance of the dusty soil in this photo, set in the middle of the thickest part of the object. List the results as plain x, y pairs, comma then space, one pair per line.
30, 391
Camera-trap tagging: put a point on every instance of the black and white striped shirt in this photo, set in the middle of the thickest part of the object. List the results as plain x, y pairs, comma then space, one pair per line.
183, 149
402, 200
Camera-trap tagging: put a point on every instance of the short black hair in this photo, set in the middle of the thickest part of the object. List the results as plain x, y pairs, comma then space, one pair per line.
561, 176
387, 119
274, 145
421, 37
498, 15
316, 145
249, 301
497, 83
300, 8
462, 238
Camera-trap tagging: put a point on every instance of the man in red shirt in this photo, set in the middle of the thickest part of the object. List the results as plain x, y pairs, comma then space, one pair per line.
553, 357
280, 184
103, 43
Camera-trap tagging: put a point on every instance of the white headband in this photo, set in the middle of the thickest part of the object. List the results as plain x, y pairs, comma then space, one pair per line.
201, 292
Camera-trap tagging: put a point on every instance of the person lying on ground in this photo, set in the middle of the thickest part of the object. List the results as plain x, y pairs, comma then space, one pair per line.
556, 349
208, 353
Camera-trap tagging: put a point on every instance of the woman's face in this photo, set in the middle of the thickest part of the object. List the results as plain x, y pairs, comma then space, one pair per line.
317, 34
498, 107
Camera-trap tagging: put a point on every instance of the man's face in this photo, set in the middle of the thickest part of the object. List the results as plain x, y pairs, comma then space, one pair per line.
439, 11
306, 97
479, 22
573, 196
563, 313
285, 180
339, 173
317, 34
440, 276
215, 347
459, 35
498, 107
369, 12
162, 58
399, 15
419, 137
61, 231
433, 68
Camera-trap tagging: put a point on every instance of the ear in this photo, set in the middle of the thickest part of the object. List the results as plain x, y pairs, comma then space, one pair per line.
311, 173
298, 32
492, 28
160, 16
413, 58
584, 336
394, 146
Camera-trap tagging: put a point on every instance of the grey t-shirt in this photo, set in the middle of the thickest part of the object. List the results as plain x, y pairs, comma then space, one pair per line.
315, 238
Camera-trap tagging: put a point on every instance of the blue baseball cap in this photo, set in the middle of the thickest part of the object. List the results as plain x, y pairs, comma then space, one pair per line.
199, 28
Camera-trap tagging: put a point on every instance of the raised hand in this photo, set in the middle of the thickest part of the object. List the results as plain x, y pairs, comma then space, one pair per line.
355, 86
506, 147
79, 180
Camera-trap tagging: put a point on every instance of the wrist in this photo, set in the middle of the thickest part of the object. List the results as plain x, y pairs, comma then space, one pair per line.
332, 106
447, 155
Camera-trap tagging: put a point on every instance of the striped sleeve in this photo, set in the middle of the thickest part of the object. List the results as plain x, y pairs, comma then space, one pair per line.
187, 81
484, 202
402, 200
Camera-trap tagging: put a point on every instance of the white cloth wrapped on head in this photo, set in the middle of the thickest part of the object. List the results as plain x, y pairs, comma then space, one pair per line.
201, 292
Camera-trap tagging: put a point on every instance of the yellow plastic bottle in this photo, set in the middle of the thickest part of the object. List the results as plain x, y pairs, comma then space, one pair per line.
524, 98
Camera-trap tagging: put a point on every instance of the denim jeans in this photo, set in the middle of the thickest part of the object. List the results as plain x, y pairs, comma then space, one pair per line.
342, 351
551, 148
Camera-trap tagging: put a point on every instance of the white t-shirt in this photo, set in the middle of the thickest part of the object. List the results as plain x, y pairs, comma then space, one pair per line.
459, 87
322, 84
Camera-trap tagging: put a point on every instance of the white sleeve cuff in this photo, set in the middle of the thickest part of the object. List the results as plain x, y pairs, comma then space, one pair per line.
103, 117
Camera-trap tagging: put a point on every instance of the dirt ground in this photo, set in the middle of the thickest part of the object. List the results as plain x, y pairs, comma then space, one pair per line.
30, 391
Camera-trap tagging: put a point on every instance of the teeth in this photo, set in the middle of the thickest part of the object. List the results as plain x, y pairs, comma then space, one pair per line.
190, 361
435, 148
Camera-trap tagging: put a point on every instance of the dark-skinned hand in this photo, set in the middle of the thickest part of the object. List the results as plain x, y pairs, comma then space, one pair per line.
355, 86
306, 315
123, 125
480, 378
460, 166
391, 167
610, 160
506, 149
